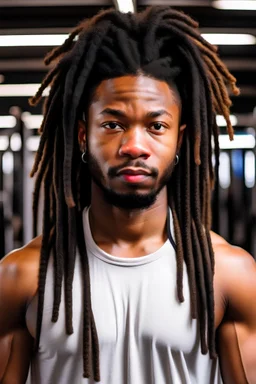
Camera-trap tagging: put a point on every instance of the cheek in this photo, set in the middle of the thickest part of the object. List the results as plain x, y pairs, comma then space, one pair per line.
103, 150
166, 151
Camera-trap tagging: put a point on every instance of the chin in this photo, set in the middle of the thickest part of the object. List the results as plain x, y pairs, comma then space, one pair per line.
130, 200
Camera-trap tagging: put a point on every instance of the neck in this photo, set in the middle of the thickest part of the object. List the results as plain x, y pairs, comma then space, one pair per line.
112, 224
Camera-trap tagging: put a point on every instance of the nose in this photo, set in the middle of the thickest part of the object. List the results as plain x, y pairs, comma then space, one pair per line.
134, 144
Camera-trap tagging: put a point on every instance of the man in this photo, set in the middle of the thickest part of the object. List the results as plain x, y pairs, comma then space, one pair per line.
132, 284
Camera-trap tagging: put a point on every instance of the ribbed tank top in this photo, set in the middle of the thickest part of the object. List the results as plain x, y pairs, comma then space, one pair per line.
145, 335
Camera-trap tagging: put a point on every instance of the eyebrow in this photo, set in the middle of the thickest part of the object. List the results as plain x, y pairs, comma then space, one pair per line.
114, 112
119, 113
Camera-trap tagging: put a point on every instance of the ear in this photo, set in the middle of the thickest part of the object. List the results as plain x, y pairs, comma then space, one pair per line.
82, 135
180, 138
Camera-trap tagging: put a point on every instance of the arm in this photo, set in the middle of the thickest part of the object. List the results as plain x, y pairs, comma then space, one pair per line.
18, 284
237, 333
5, 350
16, 353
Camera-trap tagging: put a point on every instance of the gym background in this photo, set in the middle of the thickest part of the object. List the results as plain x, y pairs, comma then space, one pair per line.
30, 28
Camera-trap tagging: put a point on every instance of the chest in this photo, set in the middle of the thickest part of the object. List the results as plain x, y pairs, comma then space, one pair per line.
140, 304
131, 305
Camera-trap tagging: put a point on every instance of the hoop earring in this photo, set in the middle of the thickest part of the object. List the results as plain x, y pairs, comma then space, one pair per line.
83, 157
176, 160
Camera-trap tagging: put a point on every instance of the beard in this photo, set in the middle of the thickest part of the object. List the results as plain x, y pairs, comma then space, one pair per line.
130, 200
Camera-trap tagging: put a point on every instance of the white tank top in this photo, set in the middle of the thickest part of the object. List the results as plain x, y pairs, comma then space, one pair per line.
145, 335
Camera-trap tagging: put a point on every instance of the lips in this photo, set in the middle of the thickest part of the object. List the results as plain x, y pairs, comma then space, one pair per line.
133, 172
134, 175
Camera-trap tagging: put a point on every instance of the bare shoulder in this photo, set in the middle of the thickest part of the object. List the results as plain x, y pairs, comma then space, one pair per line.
235, 272
24, 256
18, 284
230, 256
22, 265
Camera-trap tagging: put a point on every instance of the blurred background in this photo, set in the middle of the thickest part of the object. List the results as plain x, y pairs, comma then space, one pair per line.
30, 28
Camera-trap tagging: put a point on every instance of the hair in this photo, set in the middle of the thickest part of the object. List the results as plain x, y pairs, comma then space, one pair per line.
165, 44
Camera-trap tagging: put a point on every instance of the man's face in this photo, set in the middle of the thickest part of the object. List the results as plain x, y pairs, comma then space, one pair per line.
131, 138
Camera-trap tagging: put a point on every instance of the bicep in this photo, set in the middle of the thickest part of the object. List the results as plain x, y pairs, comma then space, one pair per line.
20, 352
5, 350
18, 284
243, 311
231, 364
237, 337
11, 301
247, 345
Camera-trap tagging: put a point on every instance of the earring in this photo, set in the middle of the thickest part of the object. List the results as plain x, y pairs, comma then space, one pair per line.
83, 157
176, 160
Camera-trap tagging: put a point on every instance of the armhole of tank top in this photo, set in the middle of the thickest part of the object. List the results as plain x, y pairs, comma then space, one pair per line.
169, 232
29, 301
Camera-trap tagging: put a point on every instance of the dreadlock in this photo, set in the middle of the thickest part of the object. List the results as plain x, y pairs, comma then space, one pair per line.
165, 44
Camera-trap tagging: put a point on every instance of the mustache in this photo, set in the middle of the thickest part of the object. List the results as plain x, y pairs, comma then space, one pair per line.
112, 172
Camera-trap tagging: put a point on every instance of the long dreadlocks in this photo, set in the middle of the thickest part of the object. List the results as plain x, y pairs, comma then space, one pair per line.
165, 44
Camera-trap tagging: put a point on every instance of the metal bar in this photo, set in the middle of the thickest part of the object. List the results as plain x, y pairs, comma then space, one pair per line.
53, 3
180, 3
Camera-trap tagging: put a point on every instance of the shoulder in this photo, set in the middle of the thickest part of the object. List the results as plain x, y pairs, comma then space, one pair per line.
231, 258
24, 256
18, 284
21, 267
235, 272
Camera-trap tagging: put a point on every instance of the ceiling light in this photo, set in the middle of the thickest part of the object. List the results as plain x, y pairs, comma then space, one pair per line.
125, 5
240, 142
229, 38
221, 122
235, 4
18, 90
32, 40
7, 121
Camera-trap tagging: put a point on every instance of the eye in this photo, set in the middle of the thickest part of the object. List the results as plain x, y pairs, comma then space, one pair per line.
158, 127
111, 125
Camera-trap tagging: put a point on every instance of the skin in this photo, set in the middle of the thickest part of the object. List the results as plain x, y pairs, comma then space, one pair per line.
132, 138
135, 138
15, 359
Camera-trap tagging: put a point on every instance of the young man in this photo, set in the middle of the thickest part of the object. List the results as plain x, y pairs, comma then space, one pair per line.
132, 284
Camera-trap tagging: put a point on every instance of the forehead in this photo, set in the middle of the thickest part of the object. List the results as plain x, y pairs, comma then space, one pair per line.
144, 88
